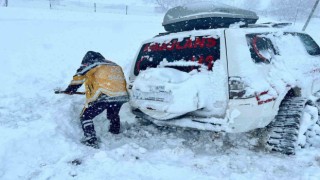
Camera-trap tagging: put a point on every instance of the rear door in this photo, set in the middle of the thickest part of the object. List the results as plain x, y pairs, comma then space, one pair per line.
196, 52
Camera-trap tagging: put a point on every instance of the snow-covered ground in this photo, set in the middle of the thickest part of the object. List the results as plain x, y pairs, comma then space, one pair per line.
40, 50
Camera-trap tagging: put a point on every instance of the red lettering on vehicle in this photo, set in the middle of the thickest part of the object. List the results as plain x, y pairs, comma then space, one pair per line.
179, 47
175, 45
209, 60
200, 60
146, 48
189, 43
199, 42
171, 45
163, 47
211, 42
193, 58
154, 47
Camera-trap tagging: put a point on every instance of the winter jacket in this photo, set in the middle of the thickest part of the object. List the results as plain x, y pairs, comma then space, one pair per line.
101, 77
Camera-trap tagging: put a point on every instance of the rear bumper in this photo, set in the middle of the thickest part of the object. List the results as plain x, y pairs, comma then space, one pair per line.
241, 116
187, 121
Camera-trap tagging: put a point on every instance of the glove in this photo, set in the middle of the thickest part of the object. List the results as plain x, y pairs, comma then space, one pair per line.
71, 89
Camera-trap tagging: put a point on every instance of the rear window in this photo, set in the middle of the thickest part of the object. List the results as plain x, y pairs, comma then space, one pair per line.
310, 45
186, 55
261, 48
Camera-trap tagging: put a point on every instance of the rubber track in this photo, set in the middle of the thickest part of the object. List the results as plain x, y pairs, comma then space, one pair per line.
283, 131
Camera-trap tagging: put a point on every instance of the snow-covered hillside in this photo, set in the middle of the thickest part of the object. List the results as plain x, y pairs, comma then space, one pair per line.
40, 131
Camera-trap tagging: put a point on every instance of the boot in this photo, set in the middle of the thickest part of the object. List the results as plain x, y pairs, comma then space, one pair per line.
91, 142
114, 127
89, 133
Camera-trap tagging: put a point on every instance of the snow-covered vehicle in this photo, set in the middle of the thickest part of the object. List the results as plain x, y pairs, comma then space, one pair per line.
230, 78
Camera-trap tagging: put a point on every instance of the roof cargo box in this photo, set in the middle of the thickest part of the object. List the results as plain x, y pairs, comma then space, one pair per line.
205, 15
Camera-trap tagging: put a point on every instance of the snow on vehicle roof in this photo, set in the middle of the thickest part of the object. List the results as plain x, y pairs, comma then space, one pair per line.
206, 5
205, 9
181, 35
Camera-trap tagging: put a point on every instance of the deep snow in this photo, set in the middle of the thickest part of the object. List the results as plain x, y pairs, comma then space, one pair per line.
40, 51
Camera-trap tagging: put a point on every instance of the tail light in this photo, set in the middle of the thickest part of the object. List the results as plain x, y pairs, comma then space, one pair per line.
237, 89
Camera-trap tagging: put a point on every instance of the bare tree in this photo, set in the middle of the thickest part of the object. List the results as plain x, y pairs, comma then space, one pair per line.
55, 2
4, 3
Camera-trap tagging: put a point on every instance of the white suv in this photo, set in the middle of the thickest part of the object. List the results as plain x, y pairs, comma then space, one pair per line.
231, 80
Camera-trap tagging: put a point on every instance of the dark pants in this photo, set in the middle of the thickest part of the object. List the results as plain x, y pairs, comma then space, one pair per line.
94, 109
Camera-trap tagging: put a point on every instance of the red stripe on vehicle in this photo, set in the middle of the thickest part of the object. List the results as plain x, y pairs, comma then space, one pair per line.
265, 101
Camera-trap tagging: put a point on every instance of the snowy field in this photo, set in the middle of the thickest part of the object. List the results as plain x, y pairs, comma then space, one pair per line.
40, 50
141, 7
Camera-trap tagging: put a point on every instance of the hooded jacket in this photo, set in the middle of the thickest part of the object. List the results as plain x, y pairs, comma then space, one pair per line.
100, 76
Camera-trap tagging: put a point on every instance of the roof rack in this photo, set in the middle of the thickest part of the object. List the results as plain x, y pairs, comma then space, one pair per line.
205, 15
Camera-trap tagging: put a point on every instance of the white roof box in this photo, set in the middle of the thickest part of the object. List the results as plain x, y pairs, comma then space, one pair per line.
205, 15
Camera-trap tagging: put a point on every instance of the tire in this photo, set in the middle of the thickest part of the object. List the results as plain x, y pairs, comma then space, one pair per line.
296, 126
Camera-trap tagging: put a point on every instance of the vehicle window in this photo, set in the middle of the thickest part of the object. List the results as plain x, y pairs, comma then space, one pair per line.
310, 45
261, 48
185, 55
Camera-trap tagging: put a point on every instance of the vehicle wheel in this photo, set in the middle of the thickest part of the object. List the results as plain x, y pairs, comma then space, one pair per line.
296, 126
